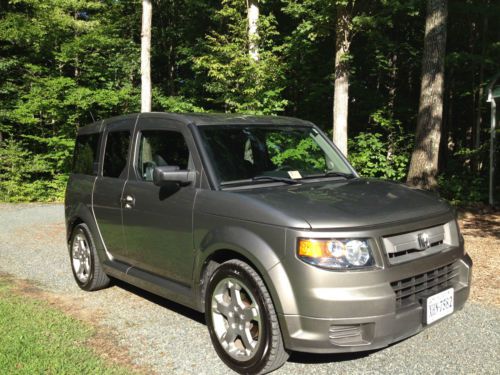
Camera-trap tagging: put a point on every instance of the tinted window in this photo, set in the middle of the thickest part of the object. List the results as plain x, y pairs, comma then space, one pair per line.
161, 148
115, 157
86, 154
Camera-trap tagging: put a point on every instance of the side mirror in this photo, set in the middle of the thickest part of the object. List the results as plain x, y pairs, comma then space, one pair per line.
172, 174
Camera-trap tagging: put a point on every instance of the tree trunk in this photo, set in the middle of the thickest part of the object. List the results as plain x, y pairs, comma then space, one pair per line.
341, 93
147, 12
253, 32
424, 160
476, 134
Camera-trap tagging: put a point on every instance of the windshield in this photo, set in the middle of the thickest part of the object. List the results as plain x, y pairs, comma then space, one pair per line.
243, 154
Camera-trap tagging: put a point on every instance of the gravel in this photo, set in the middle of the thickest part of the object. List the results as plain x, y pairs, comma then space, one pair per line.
170, 339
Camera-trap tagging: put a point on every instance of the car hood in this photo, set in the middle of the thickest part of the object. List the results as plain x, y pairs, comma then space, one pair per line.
331, 204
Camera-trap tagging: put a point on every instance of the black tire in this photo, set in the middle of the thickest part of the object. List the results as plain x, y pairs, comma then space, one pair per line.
92, 277
269, 352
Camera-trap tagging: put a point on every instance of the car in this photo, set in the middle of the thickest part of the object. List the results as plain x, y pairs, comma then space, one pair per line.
260, 223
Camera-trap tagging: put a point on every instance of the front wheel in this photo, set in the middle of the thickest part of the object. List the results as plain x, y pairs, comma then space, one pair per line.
242, 321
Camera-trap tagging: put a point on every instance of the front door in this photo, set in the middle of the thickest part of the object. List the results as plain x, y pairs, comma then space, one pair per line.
158, 221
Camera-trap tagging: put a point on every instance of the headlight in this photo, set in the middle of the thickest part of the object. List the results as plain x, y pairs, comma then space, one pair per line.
335, 253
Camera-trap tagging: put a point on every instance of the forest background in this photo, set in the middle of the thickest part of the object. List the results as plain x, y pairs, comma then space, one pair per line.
66, 63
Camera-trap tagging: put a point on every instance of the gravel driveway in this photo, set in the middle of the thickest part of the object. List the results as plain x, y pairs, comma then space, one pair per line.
171, 339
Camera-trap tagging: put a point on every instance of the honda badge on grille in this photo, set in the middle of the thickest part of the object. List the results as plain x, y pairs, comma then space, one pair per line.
424, 241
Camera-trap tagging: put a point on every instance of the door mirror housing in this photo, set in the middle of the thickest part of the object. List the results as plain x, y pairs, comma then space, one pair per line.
172, 174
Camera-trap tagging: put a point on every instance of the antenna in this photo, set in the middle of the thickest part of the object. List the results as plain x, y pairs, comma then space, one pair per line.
91, 115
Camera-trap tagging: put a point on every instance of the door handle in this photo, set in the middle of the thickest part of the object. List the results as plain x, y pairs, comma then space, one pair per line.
128, 201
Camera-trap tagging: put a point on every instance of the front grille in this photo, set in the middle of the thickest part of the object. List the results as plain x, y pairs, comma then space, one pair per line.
411, 290
405, 247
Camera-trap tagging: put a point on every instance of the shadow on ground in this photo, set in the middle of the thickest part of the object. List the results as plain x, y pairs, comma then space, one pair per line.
295, 357
163, 302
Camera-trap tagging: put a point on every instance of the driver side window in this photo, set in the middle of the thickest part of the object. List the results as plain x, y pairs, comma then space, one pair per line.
160, 148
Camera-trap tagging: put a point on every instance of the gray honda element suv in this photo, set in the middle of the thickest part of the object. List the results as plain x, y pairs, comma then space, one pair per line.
260, 223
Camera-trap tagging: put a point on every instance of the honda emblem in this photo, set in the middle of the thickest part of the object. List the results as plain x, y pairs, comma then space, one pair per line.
424, 241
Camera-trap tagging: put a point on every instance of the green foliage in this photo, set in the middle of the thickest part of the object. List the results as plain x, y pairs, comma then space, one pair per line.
236, 82
174, 103
384, 151
25, 176
459, 184
65, 63
66, 66
463, 188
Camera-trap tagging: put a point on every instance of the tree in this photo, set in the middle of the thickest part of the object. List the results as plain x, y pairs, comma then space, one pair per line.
424, 160
147, 13
343, 37
231, 77
253, 32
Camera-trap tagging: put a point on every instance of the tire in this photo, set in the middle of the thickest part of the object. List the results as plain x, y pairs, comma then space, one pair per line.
85, 264
242, 321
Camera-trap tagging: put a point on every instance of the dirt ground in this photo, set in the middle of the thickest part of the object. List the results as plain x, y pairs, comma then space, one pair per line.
481, 231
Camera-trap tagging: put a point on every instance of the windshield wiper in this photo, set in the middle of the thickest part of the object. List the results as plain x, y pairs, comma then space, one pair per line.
259, 178
332, 174
275, 178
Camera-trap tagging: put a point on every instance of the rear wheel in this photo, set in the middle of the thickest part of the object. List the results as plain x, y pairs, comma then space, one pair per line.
242, 321
85, 263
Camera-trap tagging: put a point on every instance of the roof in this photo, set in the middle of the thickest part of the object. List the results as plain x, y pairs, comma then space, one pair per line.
202, 119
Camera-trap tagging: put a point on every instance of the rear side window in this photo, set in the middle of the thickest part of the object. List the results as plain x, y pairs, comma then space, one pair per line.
161, 148
115, 156
85, 159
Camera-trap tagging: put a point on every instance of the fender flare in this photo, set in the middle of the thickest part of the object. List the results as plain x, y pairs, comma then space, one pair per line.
257, 251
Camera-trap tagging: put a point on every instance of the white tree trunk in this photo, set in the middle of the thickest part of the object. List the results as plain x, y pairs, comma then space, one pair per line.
341, 93
253, 32
147, 13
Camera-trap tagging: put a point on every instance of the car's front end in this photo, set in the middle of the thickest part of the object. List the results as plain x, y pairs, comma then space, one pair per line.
344, 309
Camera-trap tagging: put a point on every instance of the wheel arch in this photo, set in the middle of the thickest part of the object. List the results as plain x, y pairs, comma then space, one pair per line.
246, 246
83, 214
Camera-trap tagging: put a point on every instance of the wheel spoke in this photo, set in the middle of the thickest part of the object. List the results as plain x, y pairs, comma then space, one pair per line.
235, 293
82, 246
229, 336
247, 339
251, 313
221, 307
86, 264
80, 269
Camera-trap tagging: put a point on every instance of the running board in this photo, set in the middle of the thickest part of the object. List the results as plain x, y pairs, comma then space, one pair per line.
152, 283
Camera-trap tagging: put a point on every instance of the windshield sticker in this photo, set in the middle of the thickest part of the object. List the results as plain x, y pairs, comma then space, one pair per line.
294, 174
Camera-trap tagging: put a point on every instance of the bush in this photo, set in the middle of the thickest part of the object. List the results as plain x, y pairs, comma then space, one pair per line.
463, 188
383, 151
26, 177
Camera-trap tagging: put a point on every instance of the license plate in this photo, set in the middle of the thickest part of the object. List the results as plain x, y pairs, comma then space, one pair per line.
439, 305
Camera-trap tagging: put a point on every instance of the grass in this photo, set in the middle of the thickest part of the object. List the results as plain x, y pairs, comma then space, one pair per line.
38, 339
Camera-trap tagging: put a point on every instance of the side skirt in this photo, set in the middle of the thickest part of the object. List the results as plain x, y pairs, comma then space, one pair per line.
160, 286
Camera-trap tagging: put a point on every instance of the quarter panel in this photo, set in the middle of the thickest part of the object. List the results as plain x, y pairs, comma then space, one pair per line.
78, 206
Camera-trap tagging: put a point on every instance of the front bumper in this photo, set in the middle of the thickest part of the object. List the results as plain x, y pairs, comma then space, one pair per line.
364, 318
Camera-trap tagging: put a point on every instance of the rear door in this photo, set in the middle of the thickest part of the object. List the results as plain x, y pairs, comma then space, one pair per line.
108, 190
158, 224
